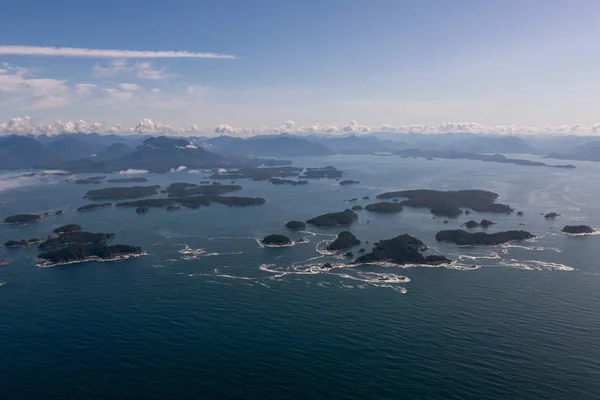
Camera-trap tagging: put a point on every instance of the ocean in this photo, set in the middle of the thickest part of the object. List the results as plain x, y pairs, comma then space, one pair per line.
210, 314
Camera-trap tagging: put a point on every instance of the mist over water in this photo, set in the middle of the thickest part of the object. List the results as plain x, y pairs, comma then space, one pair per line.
209, 313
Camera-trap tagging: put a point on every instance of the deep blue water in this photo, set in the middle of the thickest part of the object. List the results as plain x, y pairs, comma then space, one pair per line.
232, 320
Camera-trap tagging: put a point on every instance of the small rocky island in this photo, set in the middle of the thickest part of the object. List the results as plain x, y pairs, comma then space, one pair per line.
121, 193
328, 220
349, 182
384, 207
403, 249
552, 215
276, 241
142, 210
93, 207
22, 219
449, 203
296, 225
577, 229
357, 208
474, 224
464, 238
344, 241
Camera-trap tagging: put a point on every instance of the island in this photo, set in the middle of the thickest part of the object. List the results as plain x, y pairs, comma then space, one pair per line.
552, 215
89, 180
279, 181
295, 225
21, 243
520, 214
344, 240
142, 210
258, 173
577, 229
119, 193
76, 253
194, 202
68, 228
346, 217
276, 241
449, 203
22, 219
403, 249
59, 212
349, 182
93, 207
357, 208
384, 207
76, 237
182, 189
365, 198
464, 238
6, 261
128, 180
328, 172
565, 166
474, 224
172, 207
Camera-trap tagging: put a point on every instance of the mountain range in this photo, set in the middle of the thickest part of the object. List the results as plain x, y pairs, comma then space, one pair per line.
105, 153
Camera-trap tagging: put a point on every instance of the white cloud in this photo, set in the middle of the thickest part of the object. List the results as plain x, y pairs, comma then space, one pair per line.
129, 87
132, 171
103, 53
145, 70
113, 68
139, 70
84, 88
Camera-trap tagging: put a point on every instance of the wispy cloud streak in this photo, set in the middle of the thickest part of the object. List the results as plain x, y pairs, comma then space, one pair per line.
103, 53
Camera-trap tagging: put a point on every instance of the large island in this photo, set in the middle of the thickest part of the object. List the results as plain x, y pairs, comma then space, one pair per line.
346, 217
464, 238
449, 203
88, 252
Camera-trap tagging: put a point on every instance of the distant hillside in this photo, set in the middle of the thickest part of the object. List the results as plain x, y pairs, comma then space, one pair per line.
271, 146
21, 152
363, 144
71, 148
115, 151
585, 152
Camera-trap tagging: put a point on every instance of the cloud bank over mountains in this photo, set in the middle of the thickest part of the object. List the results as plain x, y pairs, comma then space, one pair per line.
27, 125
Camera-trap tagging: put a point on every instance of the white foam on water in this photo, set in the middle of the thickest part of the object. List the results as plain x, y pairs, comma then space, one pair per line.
194, 171
595, 233
2, 284
534, 265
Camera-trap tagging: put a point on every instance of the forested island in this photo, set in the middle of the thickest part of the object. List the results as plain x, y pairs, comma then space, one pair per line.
474, 224
94, 206
384, 207
328, 172
87, 181
21, 243
552, 215
22, 218
577, 229
346, 217
182, 189
464, 238
295, 225
449, 203
403, 249
128, 180
349, 182
88, 252
279, 181
68, 228
195, 201
276, 241
121, 193
75, 237
344, 240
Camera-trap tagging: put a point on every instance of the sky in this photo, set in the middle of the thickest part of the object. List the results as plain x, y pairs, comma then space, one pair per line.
261, 66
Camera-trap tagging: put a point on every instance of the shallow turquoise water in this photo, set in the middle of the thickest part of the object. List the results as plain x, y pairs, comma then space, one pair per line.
214, 324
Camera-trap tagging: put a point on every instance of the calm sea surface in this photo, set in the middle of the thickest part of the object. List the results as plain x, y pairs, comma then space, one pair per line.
209, 314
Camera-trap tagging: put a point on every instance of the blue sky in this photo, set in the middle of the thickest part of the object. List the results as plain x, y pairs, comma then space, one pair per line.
497, 62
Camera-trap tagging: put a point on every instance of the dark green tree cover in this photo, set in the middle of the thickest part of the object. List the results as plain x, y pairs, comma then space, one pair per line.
76, 237
384, 207
80, 252
120, 193
465, 238
403, 249
344, 240
346, 217
22, 218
